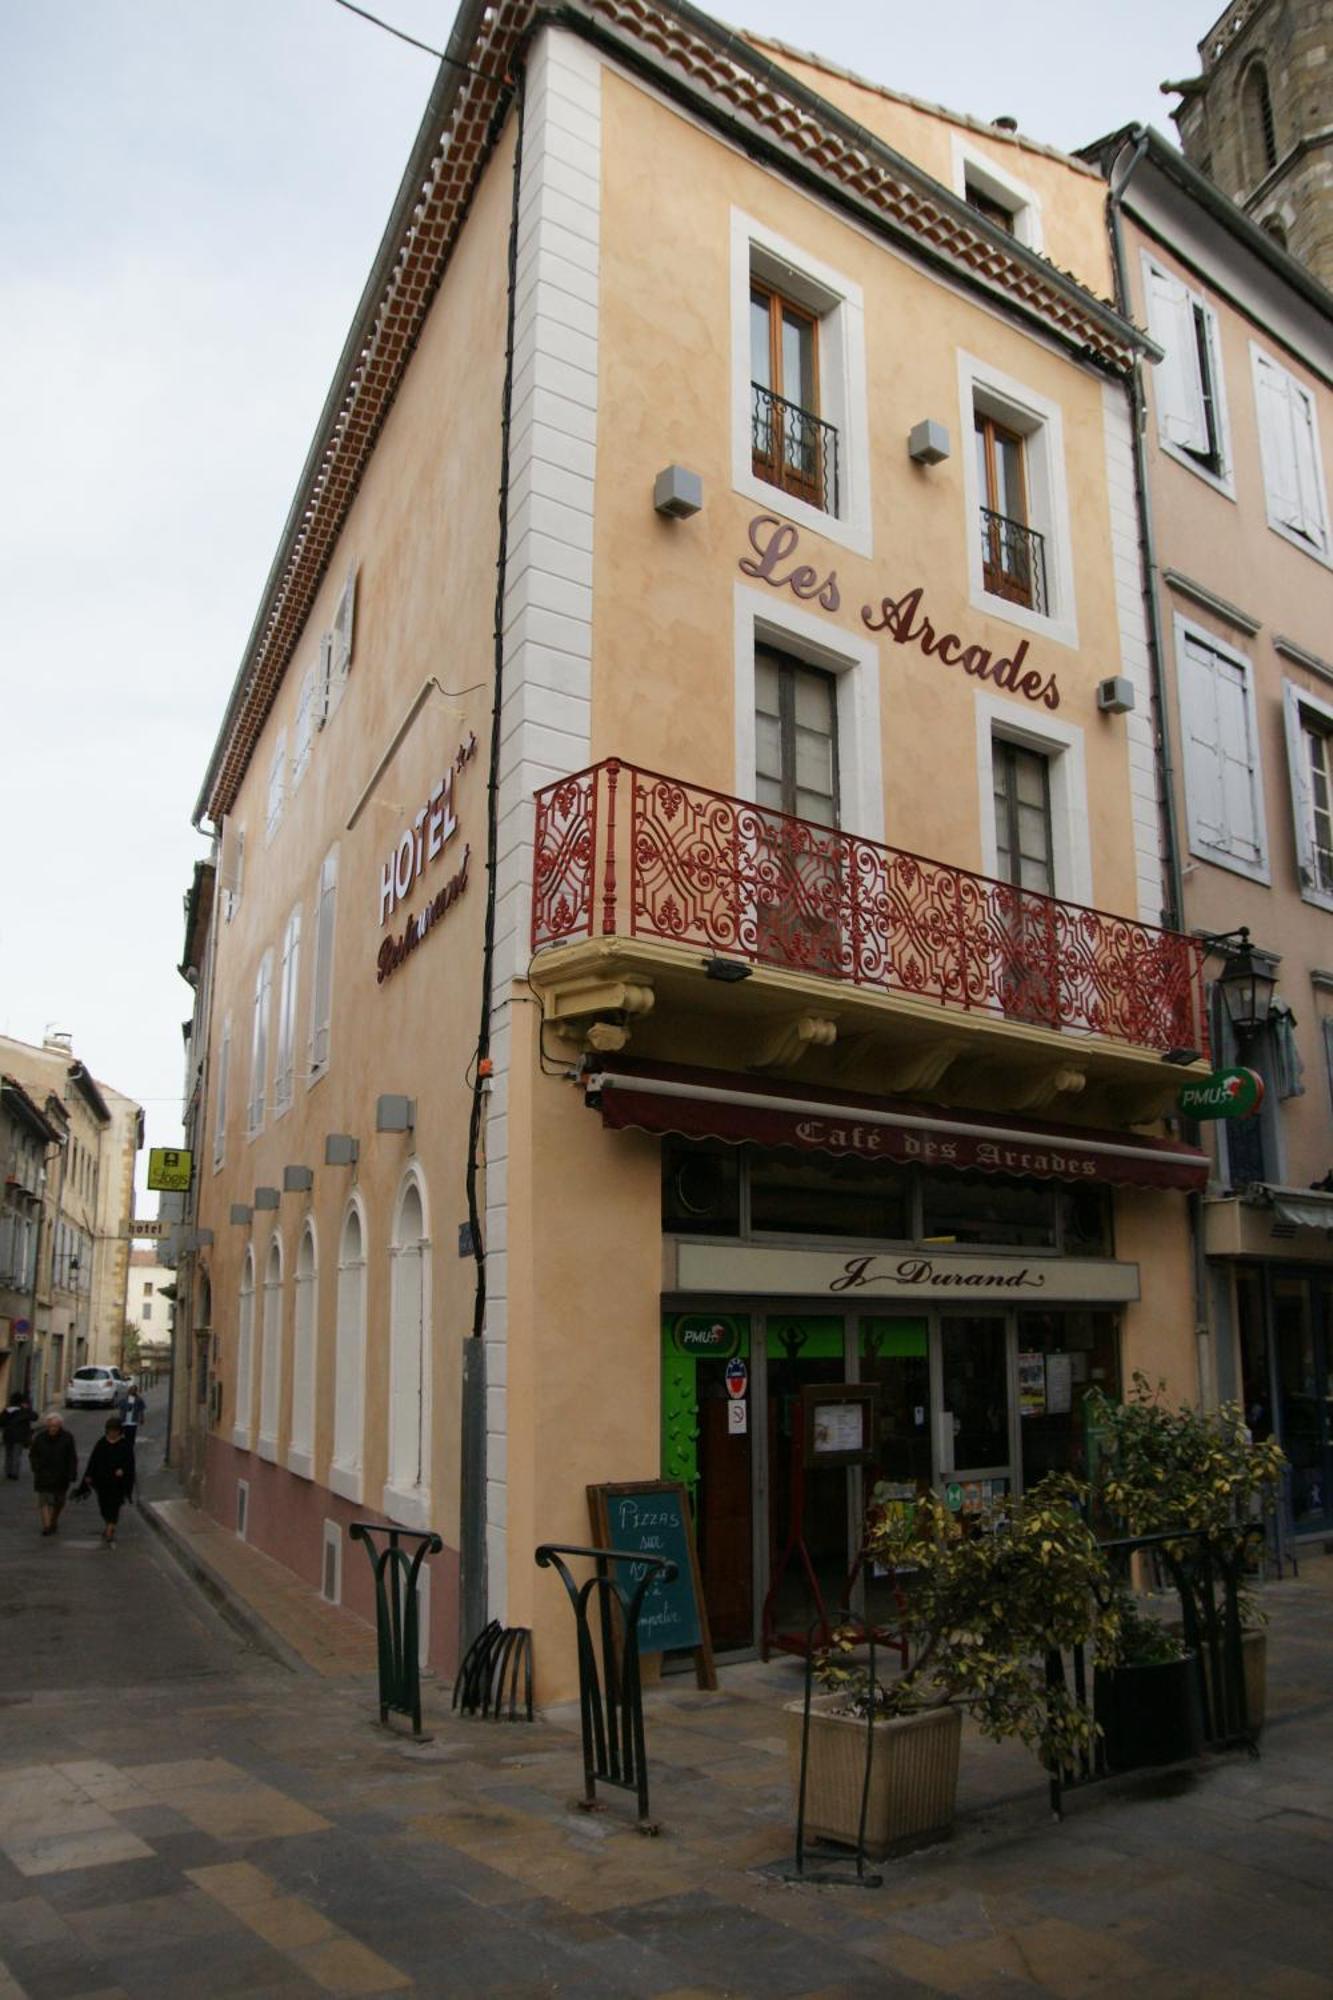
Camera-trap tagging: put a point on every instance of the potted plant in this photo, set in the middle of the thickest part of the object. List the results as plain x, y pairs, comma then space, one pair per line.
1146, 1694
1165, 1468
989, 1595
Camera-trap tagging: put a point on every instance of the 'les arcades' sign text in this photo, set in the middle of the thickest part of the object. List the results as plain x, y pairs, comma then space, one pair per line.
423, 841
775, 543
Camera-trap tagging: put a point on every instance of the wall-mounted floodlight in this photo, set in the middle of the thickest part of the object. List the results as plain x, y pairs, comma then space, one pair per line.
395, 1114
678, 492
341, 1149
928, 442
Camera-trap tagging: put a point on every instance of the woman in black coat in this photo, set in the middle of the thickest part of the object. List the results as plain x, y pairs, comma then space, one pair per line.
110, 1474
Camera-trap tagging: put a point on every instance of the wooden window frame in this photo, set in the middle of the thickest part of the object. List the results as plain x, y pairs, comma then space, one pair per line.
996, 579
775, 468
788, 665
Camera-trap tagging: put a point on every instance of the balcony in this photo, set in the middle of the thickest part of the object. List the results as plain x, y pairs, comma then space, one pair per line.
932, 967
1013, 561
794, 449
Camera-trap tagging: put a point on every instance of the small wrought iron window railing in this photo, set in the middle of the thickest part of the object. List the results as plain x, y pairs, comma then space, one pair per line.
794, 449
1013, 559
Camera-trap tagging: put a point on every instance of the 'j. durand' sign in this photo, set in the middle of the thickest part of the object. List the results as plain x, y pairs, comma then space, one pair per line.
424, 840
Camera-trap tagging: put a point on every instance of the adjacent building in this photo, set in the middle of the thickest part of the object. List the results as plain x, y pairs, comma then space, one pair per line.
686, 923
1236, 434
70, 1216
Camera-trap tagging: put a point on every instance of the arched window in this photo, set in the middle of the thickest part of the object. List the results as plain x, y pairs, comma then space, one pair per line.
270, 1367
349, 1361
305, 1324
243, 1427
1257, 117
407, 1491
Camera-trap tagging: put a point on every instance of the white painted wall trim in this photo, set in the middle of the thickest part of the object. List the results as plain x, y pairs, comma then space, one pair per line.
545, 718
1132, 629
982, 170
1062, 743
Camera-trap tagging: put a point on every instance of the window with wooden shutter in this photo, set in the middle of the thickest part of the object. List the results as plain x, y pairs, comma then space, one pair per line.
1292, 462
321, 999
220, 1113
1187, 382
1309, 727
1223, 785
284, 1066
259, 1043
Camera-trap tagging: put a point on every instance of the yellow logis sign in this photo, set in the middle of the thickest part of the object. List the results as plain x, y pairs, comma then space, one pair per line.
169, 1172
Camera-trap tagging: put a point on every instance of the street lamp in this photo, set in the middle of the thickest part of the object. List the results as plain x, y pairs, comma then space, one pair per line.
1247, 982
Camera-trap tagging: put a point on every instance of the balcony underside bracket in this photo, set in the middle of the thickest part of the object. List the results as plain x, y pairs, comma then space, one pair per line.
786, 1043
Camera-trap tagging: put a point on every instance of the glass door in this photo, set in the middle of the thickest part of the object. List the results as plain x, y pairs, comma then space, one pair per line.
804, 1350
1301, 1330
973, 1409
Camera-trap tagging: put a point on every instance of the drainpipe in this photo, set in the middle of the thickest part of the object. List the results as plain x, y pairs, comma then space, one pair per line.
472, 1447
1174, 915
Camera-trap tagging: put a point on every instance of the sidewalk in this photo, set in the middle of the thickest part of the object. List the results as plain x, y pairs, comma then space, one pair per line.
267, 1835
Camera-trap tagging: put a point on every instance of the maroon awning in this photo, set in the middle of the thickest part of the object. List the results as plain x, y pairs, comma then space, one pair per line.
711, 1104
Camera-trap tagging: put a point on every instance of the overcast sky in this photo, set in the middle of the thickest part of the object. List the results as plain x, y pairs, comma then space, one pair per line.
193, 191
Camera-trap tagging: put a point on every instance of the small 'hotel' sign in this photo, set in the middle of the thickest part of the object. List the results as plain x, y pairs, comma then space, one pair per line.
423, 841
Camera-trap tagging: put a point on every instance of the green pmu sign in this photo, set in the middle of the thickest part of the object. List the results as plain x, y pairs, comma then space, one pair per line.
1227, 1093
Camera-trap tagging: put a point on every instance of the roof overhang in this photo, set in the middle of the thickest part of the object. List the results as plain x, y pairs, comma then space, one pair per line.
18, 1103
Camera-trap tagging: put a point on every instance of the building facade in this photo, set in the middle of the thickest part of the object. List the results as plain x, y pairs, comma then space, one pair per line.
29, 1141
725, 959
1238, 429
1256, 121
77, 1238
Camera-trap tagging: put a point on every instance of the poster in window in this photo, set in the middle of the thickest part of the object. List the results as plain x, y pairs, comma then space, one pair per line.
1032, 1384
1059, 1384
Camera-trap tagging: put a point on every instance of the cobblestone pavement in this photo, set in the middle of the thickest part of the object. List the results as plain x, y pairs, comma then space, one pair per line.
244, 1828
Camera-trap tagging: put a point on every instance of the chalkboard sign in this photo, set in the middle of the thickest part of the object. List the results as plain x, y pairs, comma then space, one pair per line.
652, 1517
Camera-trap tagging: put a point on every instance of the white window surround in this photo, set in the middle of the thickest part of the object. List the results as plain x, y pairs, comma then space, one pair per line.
1040, 423
1310, 496
305, 1355
974, 168
243, 1427
305, 725
220, 1105
349, 1359
321, 984
764, 619
270, 1352
1176, 377
1301, 710
277, 788
1062, 744
254, 1122
284, 1059
408, 1502
1200, 843
759, 251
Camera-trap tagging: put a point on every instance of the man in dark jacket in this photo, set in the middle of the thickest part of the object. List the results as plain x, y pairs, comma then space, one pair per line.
55, 1467
110, 1474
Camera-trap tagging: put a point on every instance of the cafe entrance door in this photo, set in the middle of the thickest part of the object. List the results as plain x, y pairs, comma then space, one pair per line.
973, 1389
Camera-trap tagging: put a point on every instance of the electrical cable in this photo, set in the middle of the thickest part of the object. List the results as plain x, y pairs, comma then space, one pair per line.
412, 42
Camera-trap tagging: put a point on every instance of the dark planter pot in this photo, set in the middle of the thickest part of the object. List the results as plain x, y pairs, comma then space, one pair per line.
1149, 1715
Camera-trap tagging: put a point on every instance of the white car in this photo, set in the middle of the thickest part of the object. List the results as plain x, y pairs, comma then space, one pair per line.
96, 1388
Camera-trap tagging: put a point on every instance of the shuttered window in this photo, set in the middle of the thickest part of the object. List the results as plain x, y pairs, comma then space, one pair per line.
305, 725
284, 1065
277, 787
1309, 724
259, 1043
1223, 785
1187, 382
1289, 446
321, 998
220, 1113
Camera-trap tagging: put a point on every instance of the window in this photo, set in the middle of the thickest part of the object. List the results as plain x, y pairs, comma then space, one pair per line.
1187, 382
340, 643
985, 204
994, 192
305, 725
284, 1065
148, 1289
259, 1043
1023, 844
245, 1338
1013, 556
800, 426
793, 448
407, 1490
1020, 560
220, 1109
270, 1364
1289, 447
231, 865
349, 1360
321, 993
1309, 724
796, 737
277, 787
1257, 120
1223, 784
305, 1323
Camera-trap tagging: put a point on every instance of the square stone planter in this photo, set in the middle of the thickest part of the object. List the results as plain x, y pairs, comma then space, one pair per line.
913, 1775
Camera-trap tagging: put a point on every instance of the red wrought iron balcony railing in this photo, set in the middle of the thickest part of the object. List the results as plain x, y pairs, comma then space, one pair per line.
623, 852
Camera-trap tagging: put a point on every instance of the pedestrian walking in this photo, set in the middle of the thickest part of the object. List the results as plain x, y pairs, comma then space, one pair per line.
132, 1413
16, 1430
55, 1467
110, 1475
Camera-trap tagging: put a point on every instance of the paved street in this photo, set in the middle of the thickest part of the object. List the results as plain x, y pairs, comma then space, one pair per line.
185, 1816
